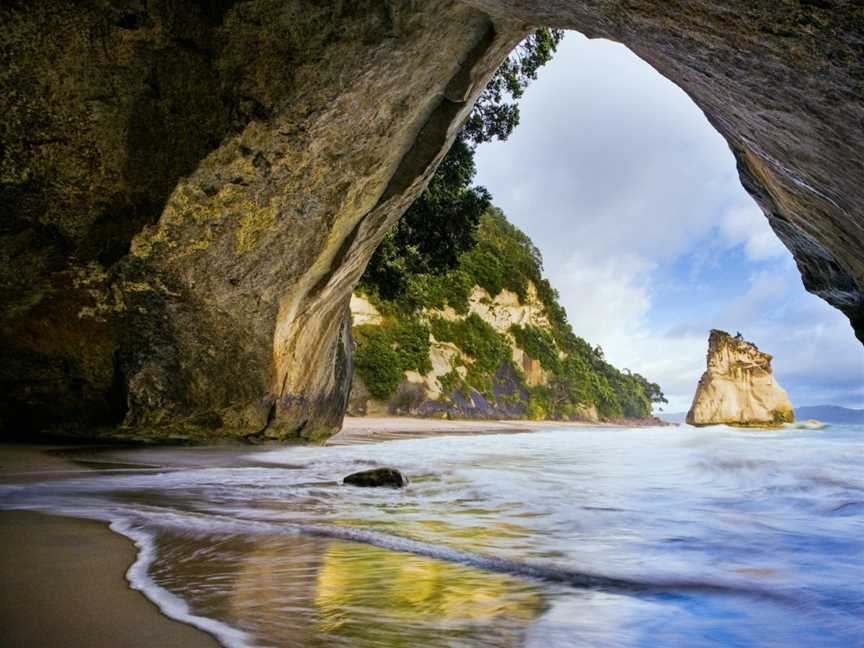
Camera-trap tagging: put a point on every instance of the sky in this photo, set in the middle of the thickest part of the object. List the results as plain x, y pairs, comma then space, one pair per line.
634, 201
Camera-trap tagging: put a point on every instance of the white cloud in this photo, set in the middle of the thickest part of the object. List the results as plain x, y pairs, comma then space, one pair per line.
745, 224
617, 158
605, 297
607, 302
766, 289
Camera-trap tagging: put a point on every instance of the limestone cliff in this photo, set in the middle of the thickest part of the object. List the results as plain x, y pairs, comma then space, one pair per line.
486, 339
738, 387
442, 391
190, 190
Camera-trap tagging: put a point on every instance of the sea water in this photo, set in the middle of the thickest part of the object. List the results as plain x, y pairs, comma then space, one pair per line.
670, 536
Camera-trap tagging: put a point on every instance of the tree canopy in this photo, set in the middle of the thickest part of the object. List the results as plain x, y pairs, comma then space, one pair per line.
496, 112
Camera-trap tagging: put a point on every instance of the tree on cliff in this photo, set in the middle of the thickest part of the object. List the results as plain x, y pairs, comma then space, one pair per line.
442, 222
496, 112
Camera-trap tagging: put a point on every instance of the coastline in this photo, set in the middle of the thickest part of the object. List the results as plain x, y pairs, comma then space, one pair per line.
372, 429
64, 585
64, 578
61, 574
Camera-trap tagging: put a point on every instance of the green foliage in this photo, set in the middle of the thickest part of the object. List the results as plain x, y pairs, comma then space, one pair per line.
484, 268
538, 344
435, 230
437, 291
539, 403
377, 362
383, 353
496, 113
487, 348
411, 339
450, 381
475, 337
503, 257
652, 391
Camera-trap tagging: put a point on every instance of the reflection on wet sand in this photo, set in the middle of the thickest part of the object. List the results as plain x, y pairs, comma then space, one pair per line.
423, 600
319, 592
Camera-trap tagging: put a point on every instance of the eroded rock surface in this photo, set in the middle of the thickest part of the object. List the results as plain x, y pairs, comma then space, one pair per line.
738, 387
190, 190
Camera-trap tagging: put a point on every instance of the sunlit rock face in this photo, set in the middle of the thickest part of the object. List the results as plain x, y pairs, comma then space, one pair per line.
431, 395
738, 387
189, 190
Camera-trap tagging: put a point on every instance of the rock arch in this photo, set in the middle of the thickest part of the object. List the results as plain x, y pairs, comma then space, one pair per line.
190, 190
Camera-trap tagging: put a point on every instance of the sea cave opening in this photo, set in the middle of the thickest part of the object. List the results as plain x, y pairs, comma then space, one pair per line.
636, 207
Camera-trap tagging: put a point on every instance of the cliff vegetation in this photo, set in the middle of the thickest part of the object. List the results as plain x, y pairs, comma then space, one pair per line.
485, 338
455, 316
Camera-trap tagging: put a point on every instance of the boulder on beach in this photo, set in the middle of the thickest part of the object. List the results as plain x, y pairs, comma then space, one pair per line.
377, 477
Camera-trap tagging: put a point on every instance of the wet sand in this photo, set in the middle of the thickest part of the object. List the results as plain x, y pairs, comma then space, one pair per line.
64, 579
371, 429
64, 585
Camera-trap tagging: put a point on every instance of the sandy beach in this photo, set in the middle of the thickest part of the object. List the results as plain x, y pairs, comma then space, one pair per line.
64, 578
63, 585
370, 429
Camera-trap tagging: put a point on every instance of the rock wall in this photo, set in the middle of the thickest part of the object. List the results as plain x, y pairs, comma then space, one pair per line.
188, 191
738, 387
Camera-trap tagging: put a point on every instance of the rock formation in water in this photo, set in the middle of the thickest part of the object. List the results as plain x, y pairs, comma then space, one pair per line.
377, 478
189, 191
738, 387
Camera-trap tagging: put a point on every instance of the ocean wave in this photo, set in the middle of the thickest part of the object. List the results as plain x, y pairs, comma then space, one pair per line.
170, 604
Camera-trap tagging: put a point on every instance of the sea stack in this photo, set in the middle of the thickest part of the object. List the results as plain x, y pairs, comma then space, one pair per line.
738, 387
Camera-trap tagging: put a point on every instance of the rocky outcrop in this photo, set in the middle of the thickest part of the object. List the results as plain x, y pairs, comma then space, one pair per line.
377, 478
738, 388
190, 190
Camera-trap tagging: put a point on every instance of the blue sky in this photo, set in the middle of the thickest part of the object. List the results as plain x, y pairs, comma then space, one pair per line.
649, 237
